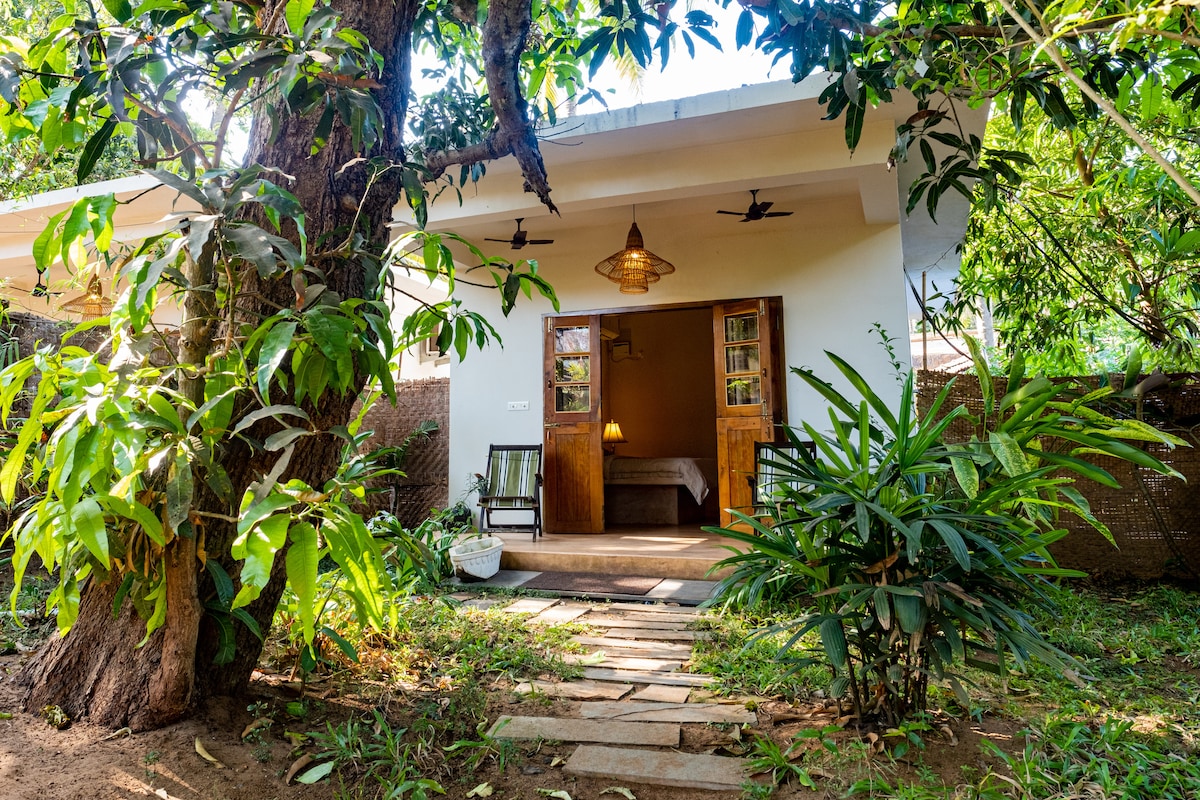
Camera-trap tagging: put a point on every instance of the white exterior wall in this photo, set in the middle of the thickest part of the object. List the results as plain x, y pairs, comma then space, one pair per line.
836, 274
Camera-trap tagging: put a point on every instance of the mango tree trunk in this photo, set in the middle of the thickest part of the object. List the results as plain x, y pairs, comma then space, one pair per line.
97, 670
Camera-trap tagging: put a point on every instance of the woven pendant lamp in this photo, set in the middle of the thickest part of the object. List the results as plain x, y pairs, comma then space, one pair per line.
91, 305
635, 267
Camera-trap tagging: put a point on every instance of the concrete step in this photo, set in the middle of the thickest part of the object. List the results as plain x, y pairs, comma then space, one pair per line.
655, 693
636, 676
654, 608
598, 621
604, 731
656, 635
684, 568
618, 661
661, 616
561, 613
576, 690
530, 605
658, 768
635, 647
632, 711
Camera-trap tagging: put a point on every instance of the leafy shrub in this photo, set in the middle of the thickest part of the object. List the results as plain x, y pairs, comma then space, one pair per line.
917, 555
418, 558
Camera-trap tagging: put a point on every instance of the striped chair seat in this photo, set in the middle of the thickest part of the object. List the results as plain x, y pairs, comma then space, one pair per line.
513, 483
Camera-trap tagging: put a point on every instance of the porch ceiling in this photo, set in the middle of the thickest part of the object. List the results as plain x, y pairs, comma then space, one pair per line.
680, 161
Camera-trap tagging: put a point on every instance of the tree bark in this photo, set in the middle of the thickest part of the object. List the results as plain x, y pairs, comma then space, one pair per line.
97, 671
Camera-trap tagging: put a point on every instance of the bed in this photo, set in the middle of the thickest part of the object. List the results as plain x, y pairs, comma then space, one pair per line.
656, 491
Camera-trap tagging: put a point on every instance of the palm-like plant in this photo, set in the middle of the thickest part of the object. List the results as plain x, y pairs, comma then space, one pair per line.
920, 555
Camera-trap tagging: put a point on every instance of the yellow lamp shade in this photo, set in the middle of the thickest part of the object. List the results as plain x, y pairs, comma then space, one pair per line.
612, 433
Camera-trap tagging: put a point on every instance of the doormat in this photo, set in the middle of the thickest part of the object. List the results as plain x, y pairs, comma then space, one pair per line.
591, 583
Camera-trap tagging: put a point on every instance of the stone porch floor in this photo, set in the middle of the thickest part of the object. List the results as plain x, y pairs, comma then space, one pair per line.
682, 552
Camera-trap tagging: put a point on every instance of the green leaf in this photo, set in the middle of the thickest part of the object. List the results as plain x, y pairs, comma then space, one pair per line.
120, 9
137, 512
1009, 453
252, 514
31, 432
281, 439
833, 638
274, 350
911, 613
357, 552
269, 411
967, 475
984, 375
343, 644
1133, 366
882, 608
221, 581
296, 14
179, 490
301, 562
87, 519
258, 547
319, 772
95, 145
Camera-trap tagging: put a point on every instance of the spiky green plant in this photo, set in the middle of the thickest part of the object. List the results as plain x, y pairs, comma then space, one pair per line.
919, 555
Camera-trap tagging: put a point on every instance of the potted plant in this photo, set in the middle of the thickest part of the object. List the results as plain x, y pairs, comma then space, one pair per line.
476, 555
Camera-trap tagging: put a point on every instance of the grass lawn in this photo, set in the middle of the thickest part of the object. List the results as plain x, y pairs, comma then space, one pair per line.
408, 718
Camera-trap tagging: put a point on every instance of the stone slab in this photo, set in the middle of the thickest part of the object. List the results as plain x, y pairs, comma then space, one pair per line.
637, 676
635, 647
656, 635
632, 711
655, 608
617, 661
662, 694
561, 613
576, 690
647, 734
482, 603
683, 590
658, 768
661, 617
505, 578
647, 622
530, 605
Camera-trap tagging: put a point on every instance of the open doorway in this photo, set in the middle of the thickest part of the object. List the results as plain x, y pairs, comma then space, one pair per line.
688, 384
657, 385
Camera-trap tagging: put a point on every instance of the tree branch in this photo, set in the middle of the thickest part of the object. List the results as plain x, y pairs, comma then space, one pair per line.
1051, 50
504, 34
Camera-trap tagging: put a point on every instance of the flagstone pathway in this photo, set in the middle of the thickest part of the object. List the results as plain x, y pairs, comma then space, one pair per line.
628, 710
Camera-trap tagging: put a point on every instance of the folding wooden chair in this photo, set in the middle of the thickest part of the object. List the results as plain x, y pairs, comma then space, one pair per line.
513, 483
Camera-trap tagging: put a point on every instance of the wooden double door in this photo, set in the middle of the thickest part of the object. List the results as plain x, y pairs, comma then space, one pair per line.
748, 358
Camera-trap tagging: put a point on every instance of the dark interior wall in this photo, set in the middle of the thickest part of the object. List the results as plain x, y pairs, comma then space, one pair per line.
662, 393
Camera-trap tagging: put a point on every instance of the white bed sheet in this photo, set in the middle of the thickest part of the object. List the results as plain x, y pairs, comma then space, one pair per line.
685, 472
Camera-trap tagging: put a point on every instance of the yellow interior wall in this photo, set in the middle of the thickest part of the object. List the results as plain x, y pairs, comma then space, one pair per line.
663, 396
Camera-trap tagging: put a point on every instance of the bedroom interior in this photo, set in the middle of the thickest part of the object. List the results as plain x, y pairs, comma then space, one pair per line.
657, 384
692, 388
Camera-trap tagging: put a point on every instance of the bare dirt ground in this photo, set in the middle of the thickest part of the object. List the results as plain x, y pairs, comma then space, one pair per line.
39, 762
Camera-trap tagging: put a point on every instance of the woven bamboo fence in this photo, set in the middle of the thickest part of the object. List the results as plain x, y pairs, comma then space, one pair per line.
1154, 519
426, 479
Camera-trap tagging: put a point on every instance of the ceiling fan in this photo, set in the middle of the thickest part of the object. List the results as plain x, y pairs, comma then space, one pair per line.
40, 289
757, 210
519, 239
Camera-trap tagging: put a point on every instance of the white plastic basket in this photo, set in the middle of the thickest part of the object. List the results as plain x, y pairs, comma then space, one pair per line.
477, 559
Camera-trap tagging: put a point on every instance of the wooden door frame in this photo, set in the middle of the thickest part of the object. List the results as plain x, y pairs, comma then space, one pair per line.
776, 304
582, 431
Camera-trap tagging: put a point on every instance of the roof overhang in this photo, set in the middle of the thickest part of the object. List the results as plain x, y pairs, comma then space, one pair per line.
685, 158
